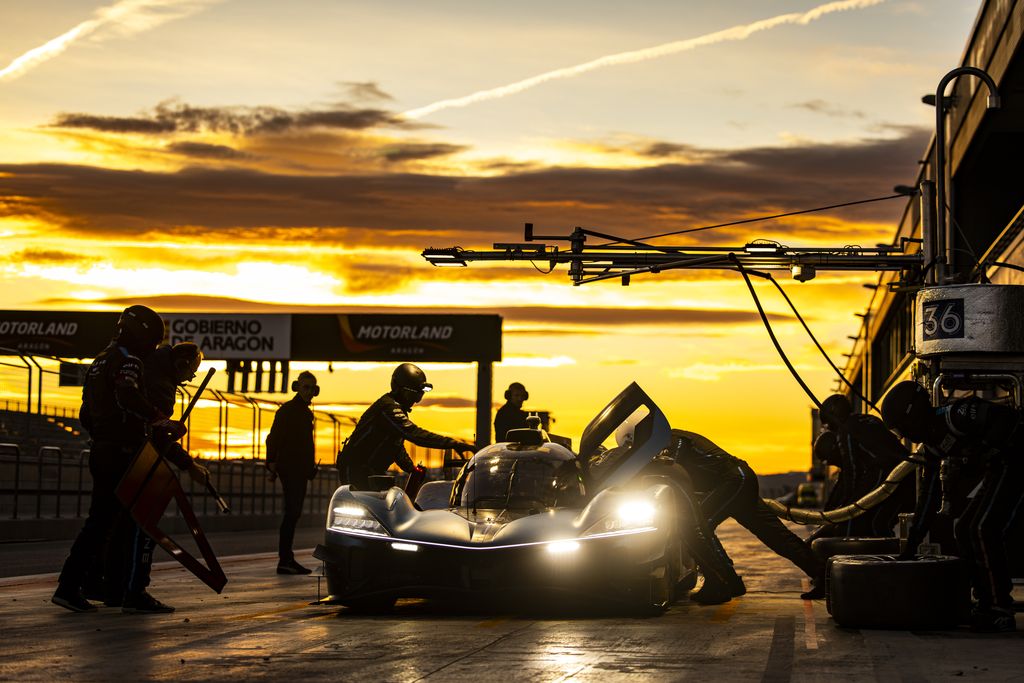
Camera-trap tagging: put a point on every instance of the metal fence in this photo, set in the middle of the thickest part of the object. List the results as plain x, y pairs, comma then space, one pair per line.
44, 470
52, 484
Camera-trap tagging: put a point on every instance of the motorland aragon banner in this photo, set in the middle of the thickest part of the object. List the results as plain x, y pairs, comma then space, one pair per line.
438, 337
404, 337
224, 336
56, 333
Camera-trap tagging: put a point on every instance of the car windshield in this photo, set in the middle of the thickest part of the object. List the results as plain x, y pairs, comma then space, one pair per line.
521, 481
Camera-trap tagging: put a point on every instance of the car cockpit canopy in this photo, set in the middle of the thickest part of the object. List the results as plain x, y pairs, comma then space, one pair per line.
520, 477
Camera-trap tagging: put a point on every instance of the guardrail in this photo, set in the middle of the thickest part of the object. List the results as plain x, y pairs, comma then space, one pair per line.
49, 484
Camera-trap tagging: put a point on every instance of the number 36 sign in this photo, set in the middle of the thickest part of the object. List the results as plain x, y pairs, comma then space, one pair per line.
943, 319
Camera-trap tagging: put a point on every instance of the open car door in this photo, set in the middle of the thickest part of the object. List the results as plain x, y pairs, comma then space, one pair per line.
606, 462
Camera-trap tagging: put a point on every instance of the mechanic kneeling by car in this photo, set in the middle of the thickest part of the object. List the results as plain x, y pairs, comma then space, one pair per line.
378, 441
730, 489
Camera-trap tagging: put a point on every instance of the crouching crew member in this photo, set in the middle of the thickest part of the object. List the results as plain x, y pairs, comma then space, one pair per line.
729, 488
992, 435
118, 416
291, 456
378, 441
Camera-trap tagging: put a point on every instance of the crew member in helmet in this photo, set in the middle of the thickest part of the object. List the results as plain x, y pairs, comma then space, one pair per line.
983, 433
291, 456
165, 370
865, 451
728, 488
378, 441
119, 418
511, 415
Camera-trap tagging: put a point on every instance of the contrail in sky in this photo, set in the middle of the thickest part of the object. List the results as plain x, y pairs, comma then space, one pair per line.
126, 17
730, 34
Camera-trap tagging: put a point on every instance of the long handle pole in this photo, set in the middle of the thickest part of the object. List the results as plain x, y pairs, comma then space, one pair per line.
195, 396
221, 503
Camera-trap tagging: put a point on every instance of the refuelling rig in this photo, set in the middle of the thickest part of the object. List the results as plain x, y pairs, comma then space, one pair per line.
952, 331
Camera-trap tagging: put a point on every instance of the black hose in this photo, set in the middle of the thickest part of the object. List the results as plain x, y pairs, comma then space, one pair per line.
771, 333
814, 339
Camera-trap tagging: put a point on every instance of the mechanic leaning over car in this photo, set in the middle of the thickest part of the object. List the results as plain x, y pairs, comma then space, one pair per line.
972, 430
865, 451
728, 488
119, 418
378, 441
165, 369
291, 456
721, 583
511, 415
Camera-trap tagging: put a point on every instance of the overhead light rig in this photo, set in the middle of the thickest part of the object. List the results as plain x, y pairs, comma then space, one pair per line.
619, 257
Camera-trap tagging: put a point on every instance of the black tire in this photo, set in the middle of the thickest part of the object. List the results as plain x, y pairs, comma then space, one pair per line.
881, 591
686, 584
829, 546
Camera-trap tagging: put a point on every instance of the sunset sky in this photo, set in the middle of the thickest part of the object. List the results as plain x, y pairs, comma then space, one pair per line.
239, 155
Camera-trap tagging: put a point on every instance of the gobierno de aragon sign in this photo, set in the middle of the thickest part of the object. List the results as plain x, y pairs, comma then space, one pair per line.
233, 336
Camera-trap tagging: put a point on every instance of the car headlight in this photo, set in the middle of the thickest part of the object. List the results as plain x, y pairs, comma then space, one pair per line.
632, 516
354, 519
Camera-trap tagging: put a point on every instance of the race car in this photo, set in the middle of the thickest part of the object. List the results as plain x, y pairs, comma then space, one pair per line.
525, 520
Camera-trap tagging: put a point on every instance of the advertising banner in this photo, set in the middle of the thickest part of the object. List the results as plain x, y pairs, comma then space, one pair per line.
225, 336
274, 336
56, 333
387, 337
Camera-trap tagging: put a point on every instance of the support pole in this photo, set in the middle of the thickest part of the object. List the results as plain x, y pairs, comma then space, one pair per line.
484, 389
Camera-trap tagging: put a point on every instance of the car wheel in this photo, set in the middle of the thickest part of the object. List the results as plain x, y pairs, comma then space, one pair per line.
882, 591
663, 580
825, 548
687, 583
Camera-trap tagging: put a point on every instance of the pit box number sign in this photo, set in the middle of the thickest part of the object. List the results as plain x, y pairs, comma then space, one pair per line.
943, 319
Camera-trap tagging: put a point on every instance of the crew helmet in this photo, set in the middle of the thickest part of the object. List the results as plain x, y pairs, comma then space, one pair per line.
140, 327
907, 408
410, 378
827, 448
187, 357
625, 433
835, 410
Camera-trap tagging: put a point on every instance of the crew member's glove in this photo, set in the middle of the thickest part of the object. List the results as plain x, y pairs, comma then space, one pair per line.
462, 446
172, 428
198, 473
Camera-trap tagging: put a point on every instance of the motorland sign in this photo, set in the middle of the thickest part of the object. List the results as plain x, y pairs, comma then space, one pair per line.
56, 333
225, 336
403, 337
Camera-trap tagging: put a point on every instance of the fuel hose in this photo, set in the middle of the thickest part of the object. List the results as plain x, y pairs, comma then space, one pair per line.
848, 512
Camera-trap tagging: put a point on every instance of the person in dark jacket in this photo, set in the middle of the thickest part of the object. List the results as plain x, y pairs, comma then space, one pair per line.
865, 451
165, 369
729, 488
970, 432
378, 441
291, 456
119, 418
511, 415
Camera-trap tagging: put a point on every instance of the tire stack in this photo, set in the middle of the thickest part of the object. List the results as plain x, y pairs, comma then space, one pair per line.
870, 588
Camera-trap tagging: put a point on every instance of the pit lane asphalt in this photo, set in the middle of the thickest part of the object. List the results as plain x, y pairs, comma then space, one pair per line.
262, 627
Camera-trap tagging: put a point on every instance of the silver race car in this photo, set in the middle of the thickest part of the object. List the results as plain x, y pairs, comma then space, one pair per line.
526, 520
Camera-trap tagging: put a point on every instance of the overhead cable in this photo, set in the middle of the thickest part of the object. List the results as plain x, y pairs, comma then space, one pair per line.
760, 218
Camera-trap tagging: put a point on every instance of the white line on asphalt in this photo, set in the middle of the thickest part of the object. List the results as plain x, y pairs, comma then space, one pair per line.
810, 629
